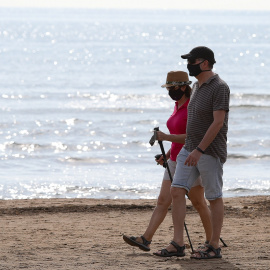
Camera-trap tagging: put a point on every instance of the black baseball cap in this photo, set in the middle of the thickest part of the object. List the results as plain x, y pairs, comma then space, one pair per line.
200, 52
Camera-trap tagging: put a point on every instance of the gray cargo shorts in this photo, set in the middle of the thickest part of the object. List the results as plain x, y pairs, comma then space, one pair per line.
172, 166
209, 168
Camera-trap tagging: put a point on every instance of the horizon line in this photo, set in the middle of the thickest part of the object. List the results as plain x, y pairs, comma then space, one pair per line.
230, 5
135, 8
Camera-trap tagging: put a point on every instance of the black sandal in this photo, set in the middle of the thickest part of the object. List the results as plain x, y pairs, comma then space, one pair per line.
165, 253
132, 241
205, 255
201, 247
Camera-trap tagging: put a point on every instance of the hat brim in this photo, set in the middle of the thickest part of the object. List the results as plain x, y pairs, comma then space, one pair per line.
169, 85
166, 85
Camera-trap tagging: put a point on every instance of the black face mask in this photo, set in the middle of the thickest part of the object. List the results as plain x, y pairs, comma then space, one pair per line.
194, 70
176, 94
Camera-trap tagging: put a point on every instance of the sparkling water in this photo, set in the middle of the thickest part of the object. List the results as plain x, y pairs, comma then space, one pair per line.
80, 95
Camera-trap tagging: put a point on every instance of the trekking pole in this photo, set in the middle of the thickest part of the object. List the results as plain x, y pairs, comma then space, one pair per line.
152, 141
224, 244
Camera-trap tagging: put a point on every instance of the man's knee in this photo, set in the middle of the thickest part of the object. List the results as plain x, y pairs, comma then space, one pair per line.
216, 202
199, 204
178, 192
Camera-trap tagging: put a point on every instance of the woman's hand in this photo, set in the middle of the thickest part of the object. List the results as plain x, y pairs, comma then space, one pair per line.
177, 138
161, 136
160, 161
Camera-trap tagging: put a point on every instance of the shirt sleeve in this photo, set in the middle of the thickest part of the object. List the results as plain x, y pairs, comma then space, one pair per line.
221, 98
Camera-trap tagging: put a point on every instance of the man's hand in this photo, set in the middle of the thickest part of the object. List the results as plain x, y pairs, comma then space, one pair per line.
193, 158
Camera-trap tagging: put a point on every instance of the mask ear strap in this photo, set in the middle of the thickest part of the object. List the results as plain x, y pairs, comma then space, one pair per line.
206, 70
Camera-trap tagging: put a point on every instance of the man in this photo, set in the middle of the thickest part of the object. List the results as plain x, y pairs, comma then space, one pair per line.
204, 152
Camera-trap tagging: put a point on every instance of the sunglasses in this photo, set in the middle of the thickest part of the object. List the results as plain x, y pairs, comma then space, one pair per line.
170, 88
192, 61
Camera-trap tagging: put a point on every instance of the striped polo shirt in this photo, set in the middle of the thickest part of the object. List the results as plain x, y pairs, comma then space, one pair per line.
211, 96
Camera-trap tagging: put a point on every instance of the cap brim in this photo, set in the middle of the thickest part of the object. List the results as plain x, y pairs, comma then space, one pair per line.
186, 56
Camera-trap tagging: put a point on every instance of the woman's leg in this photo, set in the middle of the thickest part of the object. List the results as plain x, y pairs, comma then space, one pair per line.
196, 195
160, 211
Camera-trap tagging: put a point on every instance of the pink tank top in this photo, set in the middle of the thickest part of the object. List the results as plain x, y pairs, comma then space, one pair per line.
177, 125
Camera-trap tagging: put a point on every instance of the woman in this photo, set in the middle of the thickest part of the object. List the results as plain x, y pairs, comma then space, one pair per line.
179, 90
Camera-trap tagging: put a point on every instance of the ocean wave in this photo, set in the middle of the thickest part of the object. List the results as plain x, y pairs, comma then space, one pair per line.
115, 95
114, 192
99, 145
247, 191
120, 102
56, 146
114, 102
250, 96
250, 106
240, 156
241, 189
84, 160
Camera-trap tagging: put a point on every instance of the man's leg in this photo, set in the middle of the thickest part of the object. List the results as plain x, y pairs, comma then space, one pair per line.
196, 195
178, 214
211, 172
217, 214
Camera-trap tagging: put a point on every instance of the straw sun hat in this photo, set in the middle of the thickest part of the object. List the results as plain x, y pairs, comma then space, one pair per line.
176, 78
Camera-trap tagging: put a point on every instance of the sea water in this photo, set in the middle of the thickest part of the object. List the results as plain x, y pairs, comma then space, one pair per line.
80, 95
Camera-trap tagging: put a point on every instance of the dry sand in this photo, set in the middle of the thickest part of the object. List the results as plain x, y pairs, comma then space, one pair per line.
87, 234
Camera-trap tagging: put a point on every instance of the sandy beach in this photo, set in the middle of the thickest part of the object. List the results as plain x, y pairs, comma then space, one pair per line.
87, 234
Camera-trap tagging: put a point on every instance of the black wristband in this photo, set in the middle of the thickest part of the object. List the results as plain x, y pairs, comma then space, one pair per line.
199, 149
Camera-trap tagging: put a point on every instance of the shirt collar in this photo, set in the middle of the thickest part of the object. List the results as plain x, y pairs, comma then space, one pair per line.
209, 80
183, 106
